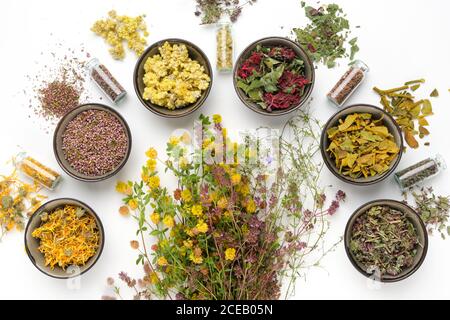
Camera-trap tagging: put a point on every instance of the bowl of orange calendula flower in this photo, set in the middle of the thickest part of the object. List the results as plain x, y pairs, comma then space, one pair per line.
64, 238
173, 78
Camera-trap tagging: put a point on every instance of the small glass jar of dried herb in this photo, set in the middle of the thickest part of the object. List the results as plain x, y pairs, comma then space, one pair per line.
41, 174
348, 83
225, 46
105, 81
420, 172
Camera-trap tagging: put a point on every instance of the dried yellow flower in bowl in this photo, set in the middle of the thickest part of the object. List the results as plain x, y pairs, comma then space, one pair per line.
173, 78
64, 238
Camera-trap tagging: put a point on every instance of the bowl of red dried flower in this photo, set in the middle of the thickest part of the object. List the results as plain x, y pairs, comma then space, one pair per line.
274, 76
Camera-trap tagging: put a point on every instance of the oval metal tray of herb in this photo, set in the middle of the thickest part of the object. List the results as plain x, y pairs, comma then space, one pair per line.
384, 240
362, 146
273, 77
68, 236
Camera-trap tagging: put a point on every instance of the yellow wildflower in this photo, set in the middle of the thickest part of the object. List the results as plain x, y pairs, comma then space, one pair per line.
153, 182
152, 153
189, 232
151, 164
236, 179
154, 278
155, 217
196, 256
213, 196
162, 261
183, 163
187, 243
196, 260
251, 206
168, 221
197, 210
201, 226
186, 195
228, 214
217, 118
230, 254
174, 140
245, 189
133, 204
223, 203
123, 188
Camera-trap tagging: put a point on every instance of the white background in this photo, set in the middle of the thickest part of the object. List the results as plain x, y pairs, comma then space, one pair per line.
399, 40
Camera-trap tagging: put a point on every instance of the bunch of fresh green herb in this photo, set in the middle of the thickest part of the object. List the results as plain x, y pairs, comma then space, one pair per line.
325, 38
433, 209
384, 238
210, 11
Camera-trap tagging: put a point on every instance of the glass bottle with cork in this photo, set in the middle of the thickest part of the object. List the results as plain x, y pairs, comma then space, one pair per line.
225, 45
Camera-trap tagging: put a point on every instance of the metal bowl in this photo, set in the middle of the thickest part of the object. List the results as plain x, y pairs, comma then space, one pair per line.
388, 121
32, 244
59, 132
272, 42
415, 220
195, 53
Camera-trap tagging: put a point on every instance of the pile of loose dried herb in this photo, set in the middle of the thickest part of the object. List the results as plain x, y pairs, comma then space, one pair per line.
362, 146
325, 38
402, 105
433, 209
17, 201
386, 239
210, 11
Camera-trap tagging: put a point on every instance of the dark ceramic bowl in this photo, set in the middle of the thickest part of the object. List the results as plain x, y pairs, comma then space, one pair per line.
195, 53
418, 225
32, 244
271, 42
59, 153
388, 121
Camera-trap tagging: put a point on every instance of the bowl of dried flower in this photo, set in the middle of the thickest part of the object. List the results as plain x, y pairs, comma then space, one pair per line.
274, 76
386, 240
361, 144
64, 238
173, 78
92, 142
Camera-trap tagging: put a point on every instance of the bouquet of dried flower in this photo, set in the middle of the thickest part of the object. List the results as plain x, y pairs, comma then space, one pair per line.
240, 225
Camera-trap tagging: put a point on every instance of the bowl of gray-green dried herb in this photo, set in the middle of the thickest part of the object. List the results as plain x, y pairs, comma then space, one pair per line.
386, 240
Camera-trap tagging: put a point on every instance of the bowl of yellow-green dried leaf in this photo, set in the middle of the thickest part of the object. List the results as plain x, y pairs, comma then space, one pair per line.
361, 144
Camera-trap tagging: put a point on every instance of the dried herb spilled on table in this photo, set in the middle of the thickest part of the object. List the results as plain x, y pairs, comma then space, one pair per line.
58, 87
95, 143
68, 236
210, 11
18, 200
409, 113
325, 38
118, 30
273, 77
432, 208
362, 146
384, 238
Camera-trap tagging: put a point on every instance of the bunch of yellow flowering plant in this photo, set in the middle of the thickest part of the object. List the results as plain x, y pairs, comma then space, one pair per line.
225, 232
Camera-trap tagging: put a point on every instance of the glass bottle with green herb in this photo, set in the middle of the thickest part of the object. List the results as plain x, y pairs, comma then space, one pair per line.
225, 46
420, 172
